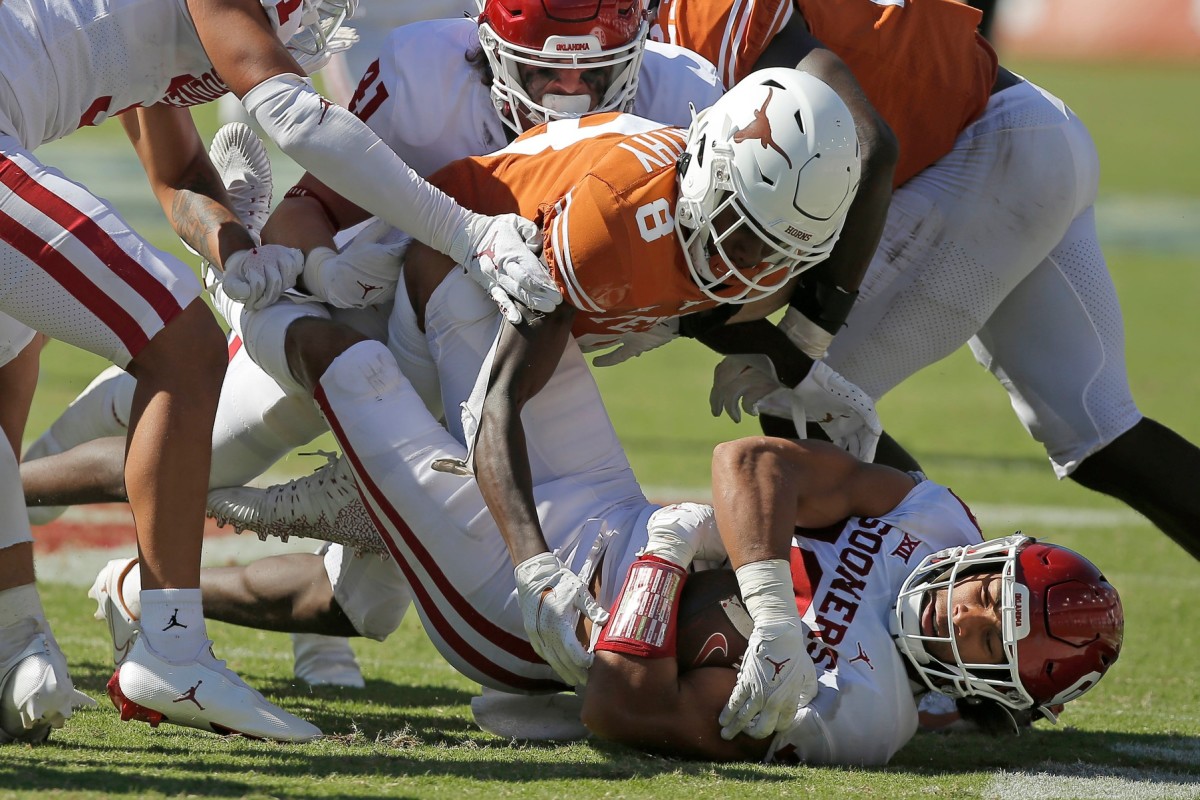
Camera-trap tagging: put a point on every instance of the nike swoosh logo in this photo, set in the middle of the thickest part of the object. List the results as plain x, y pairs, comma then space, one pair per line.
715, 645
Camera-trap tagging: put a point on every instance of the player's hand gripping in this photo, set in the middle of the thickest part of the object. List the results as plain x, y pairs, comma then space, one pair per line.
551, 599
845, 412
632, 345
776, 677
364, 273
257, 277
501, 255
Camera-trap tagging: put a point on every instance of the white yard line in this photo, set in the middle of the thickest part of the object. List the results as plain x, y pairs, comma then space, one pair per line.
1089, 782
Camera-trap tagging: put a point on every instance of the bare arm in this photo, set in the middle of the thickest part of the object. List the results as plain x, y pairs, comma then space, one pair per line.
311, 220
763, 488
525, 360
184, 181
796, 46
647, 703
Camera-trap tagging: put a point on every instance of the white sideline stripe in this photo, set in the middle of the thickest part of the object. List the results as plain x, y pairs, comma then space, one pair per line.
1090, 782
79, 565
1186, 752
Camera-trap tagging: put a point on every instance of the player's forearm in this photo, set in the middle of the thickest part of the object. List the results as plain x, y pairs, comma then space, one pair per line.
755, 495
319, 136
646, 703
506, 482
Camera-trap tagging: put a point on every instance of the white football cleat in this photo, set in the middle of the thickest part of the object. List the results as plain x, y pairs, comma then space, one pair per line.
326, 661
202, 694
111, 607
324, 505
245, 169
36, 693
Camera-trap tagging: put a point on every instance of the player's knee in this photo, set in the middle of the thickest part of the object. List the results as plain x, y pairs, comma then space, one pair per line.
192, 340
311, 345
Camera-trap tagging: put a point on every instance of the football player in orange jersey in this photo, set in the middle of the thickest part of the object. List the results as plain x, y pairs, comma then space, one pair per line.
764, 179
990, 240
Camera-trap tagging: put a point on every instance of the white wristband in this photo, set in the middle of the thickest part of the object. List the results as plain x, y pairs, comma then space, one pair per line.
768, 592
346, 155
810, 337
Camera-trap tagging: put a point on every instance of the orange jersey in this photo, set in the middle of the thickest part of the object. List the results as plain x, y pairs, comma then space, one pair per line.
730, 33
921, 63
603, 190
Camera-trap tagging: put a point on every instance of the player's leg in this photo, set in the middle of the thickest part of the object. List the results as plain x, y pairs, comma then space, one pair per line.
36, 693
101, 287
960, 236
1065, 375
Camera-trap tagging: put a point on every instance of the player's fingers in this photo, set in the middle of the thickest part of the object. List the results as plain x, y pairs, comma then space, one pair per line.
506, 305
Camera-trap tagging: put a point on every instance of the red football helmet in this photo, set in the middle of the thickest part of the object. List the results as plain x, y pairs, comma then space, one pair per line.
1062, 623
561, 34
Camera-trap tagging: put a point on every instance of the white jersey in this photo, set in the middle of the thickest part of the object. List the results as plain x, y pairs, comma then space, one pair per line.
846, 580
69, 63
428, 102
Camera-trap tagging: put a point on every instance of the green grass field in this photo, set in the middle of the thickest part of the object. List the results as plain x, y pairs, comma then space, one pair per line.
409, 734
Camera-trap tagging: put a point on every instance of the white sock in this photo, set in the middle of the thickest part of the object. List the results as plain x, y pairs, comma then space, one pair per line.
20, 602
173, 623
21, 616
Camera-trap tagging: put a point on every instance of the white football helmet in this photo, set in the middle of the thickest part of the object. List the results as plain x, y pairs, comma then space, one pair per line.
1061, 620
561, 34
780, 150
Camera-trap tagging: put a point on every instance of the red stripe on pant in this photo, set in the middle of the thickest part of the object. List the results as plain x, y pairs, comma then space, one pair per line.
60, 268
517, 647
95, 238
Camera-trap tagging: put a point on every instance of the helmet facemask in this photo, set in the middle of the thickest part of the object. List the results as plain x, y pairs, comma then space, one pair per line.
567, 46
1061, 623
320, 21
941, 572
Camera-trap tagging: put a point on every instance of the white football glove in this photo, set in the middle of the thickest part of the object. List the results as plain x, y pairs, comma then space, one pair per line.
632, 345
776, 676
845, 412
256, 278
683, 532
364, 273
550, 618
501, 255
741, 382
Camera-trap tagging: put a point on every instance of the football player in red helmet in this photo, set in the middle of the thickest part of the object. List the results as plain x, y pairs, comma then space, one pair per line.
1022, 622
551, 58
845, 634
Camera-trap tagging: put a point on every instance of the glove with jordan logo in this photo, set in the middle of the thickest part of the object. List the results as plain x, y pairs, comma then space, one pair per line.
364, 273
776, 677
551, 598
500, 254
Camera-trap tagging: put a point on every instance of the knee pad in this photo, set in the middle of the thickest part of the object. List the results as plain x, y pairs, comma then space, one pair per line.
264, 334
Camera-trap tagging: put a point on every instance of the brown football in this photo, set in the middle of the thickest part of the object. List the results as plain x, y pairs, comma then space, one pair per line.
713, 624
